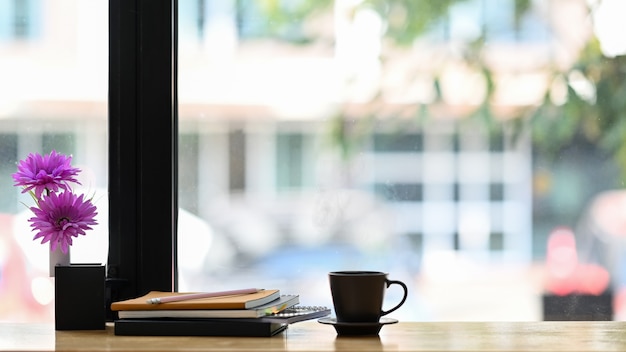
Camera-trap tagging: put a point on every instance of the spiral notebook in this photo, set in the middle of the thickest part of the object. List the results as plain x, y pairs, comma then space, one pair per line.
297, 313
269, 325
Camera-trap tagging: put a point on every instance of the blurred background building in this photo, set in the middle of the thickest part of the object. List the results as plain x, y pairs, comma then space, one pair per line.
435, 140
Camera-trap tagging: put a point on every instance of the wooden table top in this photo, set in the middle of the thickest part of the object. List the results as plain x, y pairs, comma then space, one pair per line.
312, 336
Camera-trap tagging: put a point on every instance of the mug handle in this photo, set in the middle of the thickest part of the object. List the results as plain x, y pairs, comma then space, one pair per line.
406, 291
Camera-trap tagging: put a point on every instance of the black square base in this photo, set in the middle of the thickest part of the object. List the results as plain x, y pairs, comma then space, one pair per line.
578, 307
79, 297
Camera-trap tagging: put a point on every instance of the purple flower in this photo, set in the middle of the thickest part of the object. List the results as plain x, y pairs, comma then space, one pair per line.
62, 216
48, 173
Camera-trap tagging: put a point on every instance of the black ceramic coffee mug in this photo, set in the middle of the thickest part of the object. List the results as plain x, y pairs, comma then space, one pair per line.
358, 295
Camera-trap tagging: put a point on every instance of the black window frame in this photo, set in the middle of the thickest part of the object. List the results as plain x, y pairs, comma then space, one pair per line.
143, 147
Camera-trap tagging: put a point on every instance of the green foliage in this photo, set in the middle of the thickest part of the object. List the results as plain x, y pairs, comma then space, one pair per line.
283, 11
599, 117
408, 19
521, 8
595, 108
348, 134
286, 17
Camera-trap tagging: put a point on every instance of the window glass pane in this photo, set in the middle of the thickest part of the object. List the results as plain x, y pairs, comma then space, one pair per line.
444, 142
53, 64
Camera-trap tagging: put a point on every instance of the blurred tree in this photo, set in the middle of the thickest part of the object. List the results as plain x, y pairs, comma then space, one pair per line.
594, 107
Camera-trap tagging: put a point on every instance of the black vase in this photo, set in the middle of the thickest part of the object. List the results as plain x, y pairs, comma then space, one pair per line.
79, 297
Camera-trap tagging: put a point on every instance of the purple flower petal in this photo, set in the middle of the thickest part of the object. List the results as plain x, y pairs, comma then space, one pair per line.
50, 173
60, 217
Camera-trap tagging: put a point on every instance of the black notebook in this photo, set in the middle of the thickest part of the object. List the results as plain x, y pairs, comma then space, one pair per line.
197, 327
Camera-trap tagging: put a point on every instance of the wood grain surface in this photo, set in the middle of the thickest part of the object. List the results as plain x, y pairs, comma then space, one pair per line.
312, 336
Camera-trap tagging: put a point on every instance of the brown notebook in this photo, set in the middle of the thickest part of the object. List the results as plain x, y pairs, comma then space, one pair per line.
245, 301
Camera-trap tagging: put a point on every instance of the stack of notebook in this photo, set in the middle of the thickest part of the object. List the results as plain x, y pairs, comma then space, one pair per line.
232, 313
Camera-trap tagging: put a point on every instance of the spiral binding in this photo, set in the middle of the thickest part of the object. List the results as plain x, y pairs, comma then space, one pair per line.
299, 310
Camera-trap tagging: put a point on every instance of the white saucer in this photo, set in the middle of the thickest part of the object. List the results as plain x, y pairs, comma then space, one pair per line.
359, 328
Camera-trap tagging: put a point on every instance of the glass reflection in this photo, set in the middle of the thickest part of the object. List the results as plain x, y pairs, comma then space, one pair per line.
441, 141
53, 64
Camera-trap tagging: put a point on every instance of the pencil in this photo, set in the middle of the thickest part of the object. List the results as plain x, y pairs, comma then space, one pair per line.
186, 297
